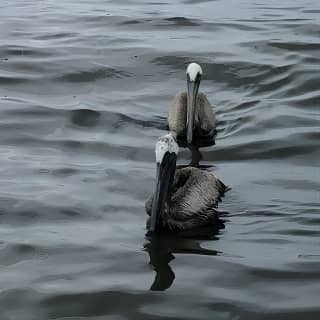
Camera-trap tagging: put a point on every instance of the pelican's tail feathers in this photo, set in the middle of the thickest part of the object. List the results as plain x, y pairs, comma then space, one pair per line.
222, 188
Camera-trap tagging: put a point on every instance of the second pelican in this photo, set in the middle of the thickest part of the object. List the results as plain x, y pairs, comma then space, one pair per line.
191, 117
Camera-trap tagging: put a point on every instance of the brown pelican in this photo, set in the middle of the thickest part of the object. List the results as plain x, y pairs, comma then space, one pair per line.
191, 116
183, 199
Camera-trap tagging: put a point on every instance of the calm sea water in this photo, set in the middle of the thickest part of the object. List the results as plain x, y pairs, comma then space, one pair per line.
85, 88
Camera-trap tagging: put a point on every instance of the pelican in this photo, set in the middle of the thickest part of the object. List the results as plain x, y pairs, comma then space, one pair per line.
191, 117
183, 199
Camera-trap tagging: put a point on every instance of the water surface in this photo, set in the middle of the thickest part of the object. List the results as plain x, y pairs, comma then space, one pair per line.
85, 88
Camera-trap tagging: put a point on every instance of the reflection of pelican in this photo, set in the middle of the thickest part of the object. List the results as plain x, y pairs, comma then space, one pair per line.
184, 199
191, 117
161, 250
160, 258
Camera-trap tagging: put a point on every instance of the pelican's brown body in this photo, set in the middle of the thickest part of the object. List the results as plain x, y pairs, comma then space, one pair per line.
204, 128
192, 202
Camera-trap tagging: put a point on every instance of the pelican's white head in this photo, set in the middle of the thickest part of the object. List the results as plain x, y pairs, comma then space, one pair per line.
166, 143
193, 72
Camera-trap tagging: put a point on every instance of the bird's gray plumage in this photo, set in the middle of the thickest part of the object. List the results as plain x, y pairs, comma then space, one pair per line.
194, 198
204, 122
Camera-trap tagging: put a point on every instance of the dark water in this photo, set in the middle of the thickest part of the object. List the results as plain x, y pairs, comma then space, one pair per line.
84, 93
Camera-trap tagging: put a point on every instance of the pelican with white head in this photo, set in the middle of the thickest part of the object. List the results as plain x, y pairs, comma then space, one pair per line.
166, 156
184, 199
194, 73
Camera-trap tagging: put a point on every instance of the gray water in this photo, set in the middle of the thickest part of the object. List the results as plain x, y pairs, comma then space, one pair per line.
85, 88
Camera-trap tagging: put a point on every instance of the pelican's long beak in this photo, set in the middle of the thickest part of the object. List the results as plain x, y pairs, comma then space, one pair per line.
164, 179
193, 87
